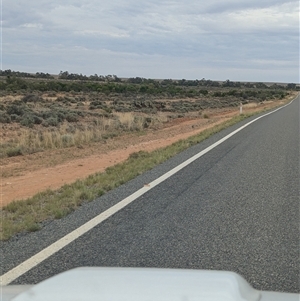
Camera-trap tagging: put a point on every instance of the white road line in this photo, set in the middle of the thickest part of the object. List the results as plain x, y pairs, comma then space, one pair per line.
64, 241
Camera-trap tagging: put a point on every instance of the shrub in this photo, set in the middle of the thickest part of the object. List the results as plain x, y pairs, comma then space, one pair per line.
37, 119
15, 151
107, 110
122, 109
149, 110
32, 98
16, 109
51, 121
4, 118
33, 227
72, 100
15, 117
71, 117
80, 113
60, 99
139, 154
60, 115
27, 120
67, 139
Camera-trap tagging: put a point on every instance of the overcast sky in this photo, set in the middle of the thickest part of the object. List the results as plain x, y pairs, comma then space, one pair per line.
245, 40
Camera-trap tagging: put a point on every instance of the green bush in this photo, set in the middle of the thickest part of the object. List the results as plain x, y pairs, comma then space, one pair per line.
67, 139
203, 92
37, 119
4, 118
71, 117
15, 117
27, 120
15, 151
16, 109
51, 121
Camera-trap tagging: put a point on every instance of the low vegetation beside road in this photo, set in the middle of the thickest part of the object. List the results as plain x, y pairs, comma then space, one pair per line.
43, 113
39, 113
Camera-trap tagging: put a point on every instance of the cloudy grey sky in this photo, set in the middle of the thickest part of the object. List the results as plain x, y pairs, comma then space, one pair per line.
246, 40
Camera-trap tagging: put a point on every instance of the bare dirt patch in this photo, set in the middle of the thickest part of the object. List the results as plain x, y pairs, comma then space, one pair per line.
24, 176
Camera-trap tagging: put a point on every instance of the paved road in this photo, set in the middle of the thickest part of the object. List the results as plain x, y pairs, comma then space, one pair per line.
236, 208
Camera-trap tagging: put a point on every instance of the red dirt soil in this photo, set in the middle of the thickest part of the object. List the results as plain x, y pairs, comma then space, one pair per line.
24, 176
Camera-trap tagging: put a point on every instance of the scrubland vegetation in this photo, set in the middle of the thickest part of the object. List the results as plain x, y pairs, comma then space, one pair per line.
42, 111
29, 215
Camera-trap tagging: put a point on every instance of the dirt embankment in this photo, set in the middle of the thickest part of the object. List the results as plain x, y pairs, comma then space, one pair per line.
24, 176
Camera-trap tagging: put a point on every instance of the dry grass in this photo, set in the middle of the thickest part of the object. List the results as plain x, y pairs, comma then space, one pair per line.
29, 140
36, 140
20, 216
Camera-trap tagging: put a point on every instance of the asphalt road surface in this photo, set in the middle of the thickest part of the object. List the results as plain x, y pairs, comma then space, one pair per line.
236, 208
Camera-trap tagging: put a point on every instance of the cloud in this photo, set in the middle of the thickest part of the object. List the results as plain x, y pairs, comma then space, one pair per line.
237, 5
234, 35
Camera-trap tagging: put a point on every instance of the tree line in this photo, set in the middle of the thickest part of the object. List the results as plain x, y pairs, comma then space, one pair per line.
17, 79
